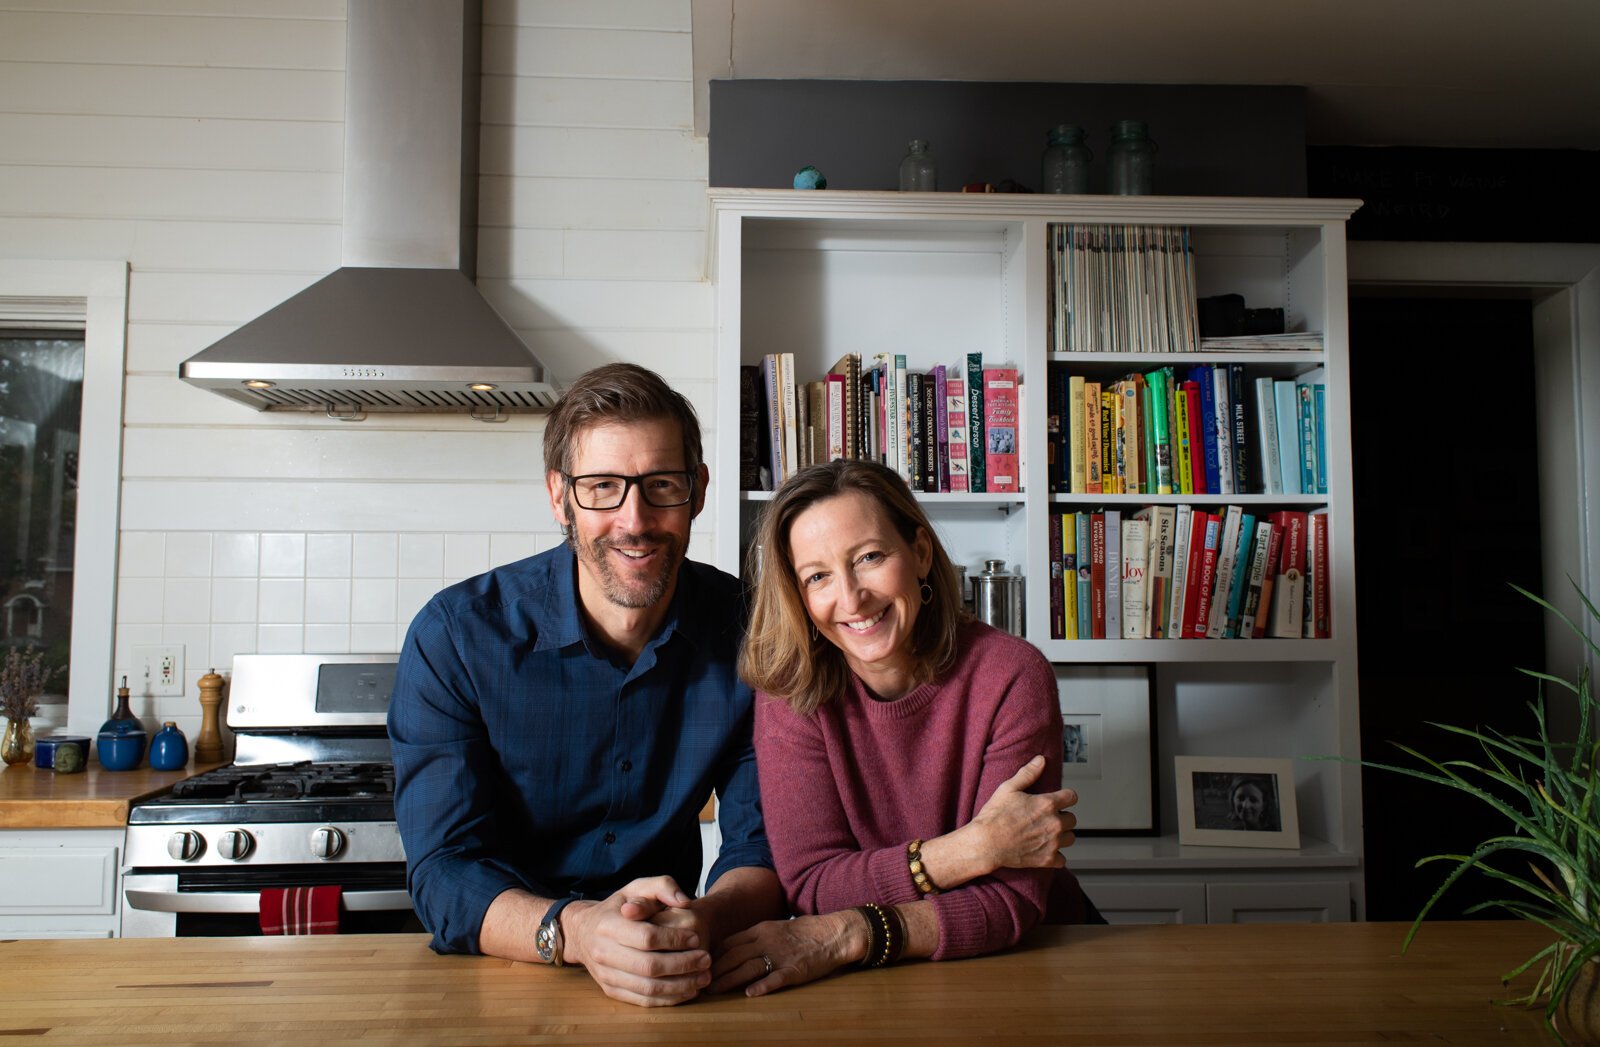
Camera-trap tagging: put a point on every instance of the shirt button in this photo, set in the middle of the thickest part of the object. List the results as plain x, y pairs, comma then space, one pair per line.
611, 837
627, 765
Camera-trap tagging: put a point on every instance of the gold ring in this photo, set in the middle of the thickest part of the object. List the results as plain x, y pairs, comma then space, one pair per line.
768, 961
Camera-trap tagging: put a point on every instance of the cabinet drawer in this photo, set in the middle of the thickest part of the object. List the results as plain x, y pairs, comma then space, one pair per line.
1135, 903
50, 881
1295, 902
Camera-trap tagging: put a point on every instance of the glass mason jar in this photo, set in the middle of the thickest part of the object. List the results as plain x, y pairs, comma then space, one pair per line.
1065, 165
1131, 159
919, 171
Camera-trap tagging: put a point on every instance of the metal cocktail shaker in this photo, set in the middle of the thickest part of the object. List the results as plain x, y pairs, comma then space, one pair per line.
997, 597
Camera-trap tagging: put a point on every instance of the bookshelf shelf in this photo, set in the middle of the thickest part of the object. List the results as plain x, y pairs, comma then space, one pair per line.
935, 276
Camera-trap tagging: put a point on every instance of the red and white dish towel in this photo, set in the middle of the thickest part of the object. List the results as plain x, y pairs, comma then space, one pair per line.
300, 910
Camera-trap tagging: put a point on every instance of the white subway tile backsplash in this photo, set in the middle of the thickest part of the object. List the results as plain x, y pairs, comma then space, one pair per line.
186, 599
414, 593
142, 554
327, 556
421, 555
509, 548
235, 554
130, 636
233, 600
229, 640
195, 641
282, 601
327, 600
280, 639
188, 554
283, 556
327, 639
373, 639
139, 600
372, 600
465, 555
376, 556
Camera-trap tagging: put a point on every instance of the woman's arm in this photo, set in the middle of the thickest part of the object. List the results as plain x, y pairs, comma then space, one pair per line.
779, 954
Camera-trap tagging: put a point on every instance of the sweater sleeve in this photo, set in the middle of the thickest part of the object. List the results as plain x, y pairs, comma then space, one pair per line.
993, 912
819, 859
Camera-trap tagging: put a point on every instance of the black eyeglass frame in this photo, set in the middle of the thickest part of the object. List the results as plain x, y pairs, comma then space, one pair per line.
629, 482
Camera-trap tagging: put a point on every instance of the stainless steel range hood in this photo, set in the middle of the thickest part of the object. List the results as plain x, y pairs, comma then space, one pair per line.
400, 327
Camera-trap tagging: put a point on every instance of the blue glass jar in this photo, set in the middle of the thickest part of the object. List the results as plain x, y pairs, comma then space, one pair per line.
1131, 159
1064, 167
169, 749
121, 741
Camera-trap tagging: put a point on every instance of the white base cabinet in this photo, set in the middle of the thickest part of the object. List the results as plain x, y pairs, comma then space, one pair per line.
60, 883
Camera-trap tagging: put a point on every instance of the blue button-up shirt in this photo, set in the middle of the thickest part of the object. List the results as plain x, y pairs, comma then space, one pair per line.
527, 756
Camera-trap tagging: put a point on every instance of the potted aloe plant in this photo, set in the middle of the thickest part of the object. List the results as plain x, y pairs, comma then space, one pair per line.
1547, 858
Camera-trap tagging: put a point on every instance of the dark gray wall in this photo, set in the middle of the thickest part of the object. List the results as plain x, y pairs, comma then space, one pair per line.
1212, 141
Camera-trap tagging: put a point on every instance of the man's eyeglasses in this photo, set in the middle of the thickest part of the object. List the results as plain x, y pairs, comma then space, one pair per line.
608, 491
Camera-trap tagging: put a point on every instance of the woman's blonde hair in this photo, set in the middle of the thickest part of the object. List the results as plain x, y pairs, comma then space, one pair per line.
783, 655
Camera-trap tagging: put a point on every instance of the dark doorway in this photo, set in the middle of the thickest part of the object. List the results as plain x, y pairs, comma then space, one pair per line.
1447, 513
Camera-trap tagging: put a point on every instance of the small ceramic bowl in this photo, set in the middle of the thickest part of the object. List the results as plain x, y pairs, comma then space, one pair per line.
121, 745
46, 747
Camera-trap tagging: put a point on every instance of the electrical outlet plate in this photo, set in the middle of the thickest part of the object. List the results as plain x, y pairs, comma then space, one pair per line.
158, 669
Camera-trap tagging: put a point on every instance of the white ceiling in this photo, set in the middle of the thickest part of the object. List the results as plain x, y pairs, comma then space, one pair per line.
1465, 73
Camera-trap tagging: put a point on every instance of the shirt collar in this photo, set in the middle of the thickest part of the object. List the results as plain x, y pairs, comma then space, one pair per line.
560, 624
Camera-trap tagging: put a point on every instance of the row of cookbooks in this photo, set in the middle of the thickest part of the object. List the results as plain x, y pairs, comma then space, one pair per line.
947, 428
1207, 429
1183, 572
1122, 288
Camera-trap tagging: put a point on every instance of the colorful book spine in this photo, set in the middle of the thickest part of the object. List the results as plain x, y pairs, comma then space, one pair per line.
1239, 576
1097, 574
1240, 429
930, 397
1321, 604
1183, 527
1222, 428
1078, 470
1133, 455
1113, 574
773, 389
1203, 594
1278, 522
976, 445
750, 436
1058, 625
1184, 466
1267, 437
1205, 424
1135, 565
1288, 590
1287, 409
838, 414
1320, 400
1091, 438
1069, 574
1227, 554
1147, 479
1081, 524
1197, 461
1160, 431
1001, 414
1108, 449
904, 463
956, 439
1165, 517
1256, 580
941, 428
1306, 416
791, 416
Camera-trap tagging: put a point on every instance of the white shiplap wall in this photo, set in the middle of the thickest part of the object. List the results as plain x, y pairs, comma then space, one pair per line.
201, 141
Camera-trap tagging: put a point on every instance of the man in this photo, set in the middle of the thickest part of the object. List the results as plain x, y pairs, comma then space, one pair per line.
559, 722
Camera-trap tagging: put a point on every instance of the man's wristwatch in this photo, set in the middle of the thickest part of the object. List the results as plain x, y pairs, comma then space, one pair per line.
549, 941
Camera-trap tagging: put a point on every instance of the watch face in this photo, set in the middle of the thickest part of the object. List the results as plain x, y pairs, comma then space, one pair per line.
544, 942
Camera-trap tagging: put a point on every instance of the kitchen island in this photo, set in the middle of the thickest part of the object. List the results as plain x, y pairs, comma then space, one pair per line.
1220, 984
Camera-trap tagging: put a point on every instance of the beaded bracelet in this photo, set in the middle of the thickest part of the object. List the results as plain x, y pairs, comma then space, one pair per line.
886, 934
919, 875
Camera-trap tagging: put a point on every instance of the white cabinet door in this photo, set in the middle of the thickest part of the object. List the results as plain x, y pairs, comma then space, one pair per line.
60, 883
1313, 901
1147, 902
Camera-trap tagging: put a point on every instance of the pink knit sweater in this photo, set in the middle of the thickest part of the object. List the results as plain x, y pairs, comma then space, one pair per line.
845, 790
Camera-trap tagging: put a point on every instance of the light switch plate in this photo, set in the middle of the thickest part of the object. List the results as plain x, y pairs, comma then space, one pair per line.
158, 669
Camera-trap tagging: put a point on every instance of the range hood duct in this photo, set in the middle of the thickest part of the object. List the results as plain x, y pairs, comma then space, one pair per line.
400, 327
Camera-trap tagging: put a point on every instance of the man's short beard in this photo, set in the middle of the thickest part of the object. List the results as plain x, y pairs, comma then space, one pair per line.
596, 555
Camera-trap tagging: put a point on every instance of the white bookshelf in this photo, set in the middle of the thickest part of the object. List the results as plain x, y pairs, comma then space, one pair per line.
937, 275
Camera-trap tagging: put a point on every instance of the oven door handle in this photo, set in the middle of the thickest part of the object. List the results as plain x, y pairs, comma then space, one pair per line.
249, 902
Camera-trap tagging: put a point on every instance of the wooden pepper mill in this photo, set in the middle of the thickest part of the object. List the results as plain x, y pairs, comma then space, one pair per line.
208, 746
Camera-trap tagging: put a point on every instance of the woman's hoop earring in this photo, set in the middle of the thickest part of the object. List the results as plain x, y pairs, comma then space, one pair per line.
814, 636
927, 594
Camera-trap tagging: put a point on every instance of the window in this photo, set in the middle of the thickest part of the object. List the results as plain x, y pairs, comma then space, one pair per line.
41, 406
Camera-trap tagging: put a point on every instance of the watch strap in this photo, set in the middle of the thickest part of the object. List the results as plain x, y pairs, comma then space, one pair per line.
550, 942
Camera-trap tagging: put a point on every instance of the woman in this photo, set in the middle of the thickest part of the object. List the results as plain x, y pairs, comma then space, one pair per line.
896, 739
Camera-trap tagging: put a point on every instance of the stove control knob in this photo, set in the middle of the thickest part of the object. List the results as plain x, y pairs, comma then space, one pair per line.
327, 842
185, 845
234, 844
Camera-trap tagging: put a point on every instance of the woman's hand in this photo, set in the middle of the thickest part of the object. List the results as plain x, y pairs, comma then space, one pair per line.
799, 950
1022, 830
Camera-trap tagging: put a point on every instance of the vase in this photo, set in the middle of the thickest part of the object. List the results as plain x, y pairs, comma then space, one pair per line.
1064, 168
17, 744
169, 749
1131, 157
919, 171
1578, 1016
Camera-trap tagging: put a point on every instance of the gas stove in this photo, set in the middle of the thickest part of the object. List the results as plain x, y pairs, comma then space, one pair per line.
308, 800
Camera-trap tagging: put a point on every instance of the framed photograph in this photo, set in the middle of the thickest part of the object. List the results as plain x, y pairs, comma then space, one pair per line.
1236, 801
1109, 746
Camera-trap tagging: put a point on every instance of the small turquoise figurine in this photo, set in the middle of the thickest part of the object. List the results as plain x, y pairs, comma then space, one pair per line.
809, 177
169, 749
120, 745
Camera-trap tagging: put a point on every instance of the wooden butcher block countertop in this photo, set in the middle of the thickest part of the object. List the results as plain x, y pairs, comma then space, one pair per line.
31, 798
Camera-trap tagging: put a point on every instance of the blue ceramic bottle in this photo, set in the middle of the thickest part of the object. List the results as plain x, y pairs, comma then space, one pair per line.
169, 749
120, 745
